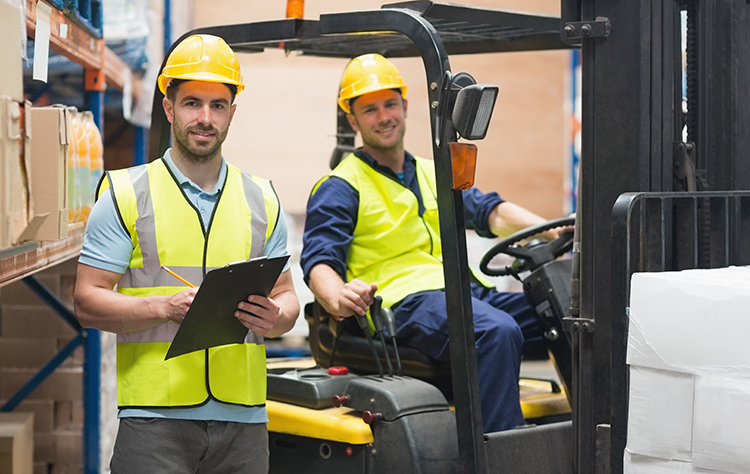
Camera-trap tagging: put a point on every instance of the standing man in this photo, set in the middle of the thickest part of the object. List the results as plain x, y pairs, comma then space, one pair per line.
202, 412
372, 226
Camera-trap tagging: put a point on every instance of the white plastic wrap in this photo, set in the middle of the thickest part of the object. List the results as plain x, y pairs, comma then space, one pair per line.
689, 372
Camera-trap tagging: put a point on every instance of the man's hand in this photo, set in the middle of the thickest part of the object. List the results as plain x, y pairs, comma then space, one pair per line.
355, 297
341, 299
259, 314
178, 305
557, 232
98, 306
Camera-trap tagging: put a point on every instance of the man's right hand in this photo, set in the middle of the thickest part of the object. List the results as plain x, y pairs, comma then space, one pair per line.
356, 296
341, 299
178, 305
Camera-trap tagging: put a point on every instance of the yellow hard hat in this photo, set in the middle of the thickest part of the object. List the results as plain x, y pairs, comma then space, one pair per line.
202, 58
368, 73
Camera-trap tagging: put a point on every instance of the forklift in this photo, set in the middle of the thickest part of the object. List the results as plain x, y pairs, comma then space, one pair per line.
659, 190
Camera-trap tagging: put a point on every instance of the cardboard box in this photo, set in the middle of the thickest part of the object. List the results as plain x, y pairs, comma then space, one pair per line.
16, 206
689, 372
49, 155
11, 29
16, 443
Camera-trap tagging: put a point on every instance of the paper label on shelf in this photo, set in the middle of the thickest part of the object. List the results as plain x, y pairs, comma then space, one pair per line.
127, 93
41, 42
63, 30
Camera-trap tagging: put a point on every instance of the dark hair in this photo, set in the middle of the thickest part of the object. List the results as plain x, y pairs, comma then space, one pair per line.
351, 101
174, 84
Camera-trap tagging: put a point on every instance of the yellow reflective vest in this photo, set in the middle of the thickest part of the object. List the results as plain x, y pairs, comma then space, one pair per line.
393, 246
166, 229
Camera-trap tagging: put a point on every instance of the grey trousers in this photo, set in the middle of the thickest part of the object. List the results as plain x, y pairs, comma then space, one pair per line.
164, 446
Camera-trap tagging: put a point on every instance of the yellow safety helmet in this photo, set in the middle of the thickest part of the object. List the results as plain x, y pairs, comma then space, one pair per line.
202, 58
368, 73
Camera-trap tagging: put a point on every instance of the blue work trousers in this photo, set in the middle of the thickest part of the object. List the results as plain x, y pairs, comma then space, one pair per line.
505, 327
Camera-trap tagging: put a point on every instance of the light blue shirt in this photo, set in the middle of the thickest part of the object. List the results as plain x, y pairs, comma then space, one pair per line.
107, 246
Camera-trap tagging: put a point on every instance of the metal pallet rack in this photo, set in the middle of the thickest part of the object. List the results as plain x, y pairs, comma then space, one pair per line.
103, 68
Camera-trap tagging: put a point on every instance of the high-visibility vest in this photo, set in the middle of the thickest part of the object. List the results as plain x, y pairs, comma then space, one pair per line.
166, 229
393, 246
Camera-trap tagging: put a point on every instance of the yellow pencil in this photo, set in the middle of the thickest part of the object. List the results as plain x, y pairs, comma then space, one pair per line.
178, 277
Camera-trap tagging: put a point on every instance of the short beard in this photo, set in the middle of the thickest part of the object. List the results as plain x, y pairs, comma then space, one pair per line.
197, 156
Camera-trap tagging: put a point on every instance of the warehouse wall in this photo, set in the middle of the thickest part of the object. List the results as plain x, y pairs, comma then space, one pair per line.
284, 128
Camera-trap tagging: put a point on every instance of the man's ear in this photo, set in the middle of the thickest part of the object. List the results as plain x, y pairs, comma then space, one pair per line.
168, 109
353, 122
406, 106
232, 109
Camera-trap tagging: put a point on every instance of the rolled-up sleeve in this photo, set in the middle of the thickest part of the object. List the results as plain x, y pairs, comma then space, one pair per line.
329, 226
477, 209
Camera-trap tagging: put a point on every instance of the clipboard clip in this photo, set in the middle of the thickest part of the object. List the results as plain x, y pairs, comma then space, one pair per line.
254, 259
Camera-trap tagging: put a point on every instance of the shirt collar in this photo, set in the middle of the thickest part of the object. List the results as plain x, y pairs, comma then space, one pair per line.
409, 163
185, 181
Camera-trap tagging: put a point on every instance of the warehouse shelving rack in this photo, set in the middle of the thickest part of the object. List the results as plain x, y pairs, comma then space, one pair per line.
102, 68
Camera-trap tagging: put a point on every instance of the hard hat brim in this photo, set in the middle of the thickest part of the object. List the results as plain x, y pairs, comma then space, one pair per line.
344, 101
198, 76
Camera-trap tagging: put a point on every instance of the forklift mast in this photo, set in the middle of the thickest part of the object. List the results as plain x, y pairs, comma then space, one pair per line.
633, 141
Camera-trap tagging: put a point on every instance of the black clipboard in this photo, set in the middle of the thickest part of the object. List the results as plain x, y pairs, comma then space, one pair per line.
210, 321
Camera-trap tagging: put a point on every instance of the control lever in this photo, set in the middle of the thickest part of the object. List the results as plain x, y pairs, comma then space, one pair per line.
365, 326
376, 311
390, 325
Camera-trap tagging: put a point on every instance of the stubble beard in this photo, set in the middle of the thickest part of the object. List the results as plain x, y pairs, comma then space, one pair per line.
373, 142
194, 154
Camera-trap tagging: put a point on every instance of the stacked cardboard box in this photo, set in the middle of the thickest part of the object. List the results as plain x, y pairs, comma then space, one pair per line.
30, 335
49, 151
689, 372
16, 443
17, 223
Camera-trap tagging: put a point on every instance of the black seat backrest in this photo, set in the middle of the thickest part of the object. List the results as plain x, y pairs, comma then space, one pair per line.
343, 343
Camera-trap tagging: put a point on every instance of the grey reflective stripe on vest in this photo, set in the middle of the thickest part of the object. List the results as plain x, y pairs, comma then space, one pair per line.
258, 218
166, 332
162, 333
146, 228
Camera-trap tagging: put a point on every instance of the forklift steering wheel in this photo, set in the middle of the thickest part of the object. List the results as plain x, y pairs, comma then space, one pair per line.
532, 255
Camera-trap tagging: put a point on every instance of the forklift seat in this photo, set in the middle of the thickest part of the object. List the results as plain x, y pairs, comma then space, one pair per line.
343, 343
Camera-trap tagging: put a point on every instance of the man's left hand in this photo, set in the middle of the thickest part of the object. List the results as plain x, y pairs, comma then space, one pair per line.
259, 314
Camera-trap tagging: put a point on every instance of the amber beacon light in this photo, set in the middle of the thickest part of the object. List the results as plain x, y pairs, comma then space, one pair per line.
295, 8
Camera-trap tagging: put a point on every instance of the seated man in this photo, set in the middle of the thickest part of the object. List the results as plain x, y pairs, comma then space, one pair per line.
372, 226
